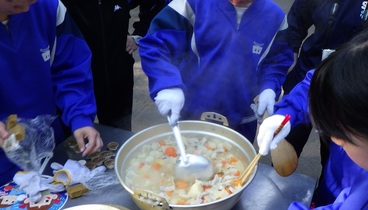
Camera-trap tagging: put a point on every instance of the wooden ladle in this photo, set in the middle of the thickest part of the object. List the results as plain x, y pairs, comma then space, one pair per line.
284, 158
279, 158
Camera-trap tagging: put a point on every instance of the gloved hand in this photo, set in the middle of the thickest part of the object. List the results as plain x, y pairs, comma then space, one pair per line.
74, 172
265, 138
32, 183
266, 100
171, 99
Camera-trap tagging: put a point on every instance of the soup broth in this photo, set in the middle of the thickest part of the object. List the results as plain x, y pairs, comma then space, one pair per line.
151, 167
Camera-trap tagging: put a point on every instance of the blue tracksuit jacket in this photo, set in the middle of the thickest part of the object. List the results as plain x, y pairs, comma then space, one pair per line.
197, 45
335, 22
45, 69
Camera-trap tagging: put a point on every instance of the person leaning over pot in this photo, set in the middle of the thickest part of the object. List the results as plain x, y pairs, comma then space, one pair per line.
45, 69
216, 56
337, 103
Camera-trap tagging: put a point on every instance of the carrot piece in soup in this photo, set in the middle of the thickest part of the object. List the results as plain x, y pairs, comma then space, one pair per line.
209, 147
181, 202
206, 187
169, 193
156, 166
237, 182
181, 184
237, 173
170, 151
162, 143
223, 162
233, 160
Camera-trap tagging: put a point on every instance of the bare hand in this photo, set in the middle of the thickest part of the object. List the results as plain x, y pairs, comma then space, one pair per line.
92, 135
3, 133
131, 46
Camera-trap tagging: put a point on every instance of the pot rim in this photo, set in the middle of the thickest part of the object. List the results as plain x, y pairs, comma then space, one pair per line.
132, 138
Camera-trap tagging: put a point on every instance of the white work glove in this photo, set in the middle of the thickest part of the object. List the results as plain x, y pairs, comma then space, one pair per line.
265, 138
266, 101
171, 99
74, 172
32, 183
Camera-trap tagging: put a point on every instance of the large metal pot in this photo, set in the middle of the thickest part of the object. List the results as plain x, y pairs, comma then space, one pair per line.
147, 200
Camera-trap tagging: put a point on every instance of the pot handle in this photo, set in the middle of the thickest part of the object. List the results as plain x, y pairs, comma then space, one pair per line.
215, 118
149, 200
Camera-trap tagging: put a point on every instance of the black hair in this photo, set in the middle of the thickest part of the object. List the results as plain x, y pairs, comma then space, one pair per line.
338, 96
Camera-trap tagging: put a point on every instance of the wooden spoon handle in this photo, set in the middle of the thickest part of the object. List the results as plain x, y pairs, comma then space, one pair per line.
283, 123
254, 162
249, 169
284, 157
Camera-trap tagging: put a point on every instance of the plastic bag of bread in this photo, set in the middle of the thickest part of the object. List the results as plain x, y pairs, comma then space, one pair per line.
31, 142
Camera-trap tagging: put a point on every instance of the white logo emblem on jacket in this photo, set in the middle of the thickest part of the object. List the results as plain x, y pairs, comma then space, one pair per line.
364, 13
45, 53
116, 8
257, 48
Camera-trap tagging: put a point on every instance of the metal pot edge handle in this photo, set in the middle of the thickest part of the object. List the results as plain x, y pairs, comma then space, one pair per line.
215, 117
149, 200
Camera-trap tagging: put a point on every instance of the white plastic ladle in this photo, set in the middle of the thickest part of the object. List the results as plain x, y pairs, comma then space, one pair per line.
189, 166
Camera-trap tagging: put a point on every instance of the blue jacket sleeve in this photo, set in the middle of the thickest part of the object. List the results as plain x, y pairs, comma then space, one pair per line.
296, 102
71, 74
353, 197
300, 206
299, 21
277, 62
163, 48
